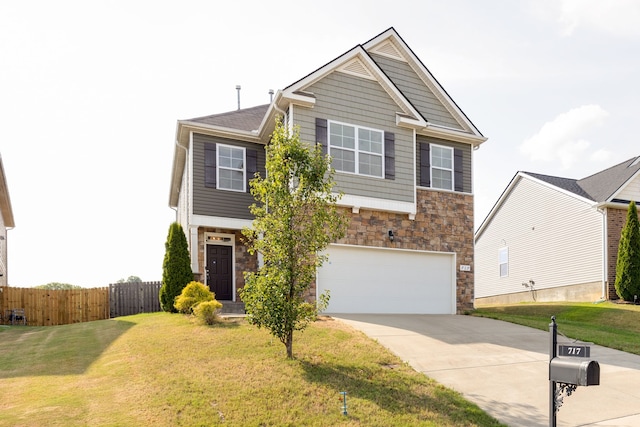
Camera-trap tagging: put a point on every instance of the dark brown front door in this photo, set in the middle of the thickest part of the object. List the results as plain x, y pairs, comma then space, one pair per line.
219, 271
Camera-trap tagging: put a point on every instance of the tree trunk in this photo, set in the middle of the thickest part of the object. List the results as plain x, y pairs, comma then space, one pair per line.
289, 345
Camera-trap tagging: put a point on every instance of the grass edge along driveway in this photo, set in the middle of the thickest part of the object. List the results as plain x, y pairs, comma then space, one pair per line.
609, 324
166, 370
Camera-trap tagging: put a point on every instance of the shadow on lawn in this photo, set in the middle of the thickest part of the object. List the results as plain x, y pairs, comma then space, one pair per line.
56, 350
389, 388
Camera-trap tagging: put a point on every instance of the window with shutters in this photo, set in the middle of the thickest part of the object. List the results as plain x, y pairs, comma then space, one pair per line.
441, 167
231, 168
357, 150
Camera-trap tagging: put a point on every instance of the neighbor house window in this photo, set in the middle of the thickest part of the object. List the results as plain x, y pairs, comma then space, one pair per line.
231, 168
503, 261
356, 149
441, 167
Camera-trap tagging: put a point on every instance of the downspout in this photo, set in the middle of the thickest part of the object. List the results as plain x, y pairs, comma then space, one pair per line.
605, 254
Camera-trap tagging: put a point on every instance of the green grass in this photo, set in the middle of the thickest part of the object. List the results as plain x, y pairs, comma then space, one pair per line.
608, 324
165, 370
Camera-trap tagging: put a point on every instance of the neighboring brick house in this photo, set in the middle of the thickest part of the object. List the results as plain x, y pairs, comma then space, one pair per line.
403, 155
555, 239
6, 222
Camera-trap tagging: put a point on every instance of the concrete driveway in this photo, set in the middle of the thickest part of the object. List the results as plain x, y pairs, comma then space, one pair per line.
503, 367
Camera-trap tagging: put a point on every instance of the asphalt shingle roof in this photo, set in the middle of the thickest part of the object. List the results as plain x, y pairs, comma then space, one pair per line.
246, 119
599, 187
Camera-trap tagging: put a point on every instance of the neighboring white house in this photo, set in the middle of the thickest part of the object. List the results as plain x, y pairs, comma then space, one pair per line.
6, 222
554, 239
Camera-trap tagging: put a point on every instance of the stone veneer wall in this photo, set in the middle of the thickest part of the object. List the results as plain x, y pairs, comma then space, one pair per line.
243, 260
443, 223
616, 219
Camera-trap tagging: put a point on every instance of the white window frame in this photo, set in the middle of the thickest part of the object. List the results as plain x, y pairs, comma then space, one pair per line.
244, 168
357, 150
503, 261
451, 170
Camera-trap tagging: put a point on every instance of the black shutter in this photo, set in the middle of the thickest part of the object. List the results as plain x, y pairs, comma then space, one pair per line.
252, 166
457, 170
210, 164
425, 165
389, 155
321, 134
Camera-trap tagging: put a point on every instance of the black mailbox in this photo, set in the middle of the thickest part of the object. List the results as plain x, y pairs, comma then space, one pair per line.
571, 370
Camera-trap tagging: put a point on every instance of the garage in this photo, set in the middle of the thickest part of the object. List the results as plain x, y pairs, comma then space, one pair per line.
379, 280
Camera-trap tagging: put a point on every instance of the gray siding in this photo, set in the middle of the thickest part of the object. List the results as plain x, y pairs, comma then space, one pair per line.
221, 203
553, 238
467, 156
410, 84
348, 99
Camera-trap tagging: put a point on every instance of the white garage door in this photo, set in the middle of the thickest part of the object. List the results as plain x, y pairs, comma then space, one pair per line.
373, 280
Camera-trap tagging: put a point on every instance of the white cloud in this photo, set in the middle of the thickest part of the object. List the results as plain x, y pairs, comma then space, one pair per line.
619, 17
562, 138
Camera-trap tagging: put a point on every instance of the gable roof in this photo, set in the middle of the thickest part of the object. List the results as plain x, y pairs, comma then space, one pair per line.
359, 61
600, 188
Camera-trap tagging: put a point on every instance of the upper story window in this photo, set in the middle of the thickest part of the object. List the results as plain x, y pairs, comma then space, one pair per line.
231, 168
441, 167
503, 261
356, 149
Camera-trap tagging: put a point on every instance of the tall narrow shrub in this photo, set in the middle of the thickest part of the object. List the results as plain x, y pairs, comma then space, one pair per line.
176, 267
628, 265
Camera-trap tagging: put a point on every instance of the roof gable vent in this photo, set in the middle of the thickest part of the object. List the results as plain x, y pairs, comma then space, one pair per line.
388, 49
355, 67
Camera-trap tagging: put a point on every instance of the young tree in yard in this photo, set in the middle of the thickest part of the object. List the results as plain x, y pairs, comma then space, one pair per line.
176, 267
628, 265
295, 219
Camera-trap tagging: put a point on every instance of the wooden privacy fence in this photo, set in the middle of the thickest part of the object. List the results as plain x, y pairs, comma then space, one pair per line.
43, 307
133, 298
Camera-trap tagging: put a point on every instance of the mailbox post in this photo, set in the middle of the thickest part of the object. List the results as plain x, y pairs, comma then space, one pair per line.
567, 373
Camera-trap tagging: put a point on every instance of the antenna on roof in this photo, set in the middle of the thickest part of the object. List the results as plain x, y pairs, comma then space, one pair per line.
238, 89
270, 95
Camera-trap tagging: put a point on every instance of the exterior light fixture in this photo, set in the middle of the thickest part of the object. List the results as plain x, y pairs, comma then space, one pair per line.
391, 235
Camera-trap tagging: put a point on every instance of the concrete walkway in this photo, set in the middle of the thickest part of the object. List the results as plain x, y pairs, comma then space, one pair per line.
503, 368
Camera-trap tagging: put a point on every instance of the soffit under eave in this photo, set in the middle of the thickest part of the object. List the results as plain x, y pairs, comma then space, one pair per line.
358, 63
390, 44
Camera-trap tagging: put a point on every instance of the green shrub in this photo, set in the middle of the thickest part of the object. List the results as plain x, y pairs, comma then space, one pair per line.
207, 311
176, 267
192, 294
627, 282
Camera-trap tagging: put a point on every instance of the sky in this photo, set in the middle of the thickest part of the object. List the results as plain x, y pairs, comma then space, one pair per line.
90, 93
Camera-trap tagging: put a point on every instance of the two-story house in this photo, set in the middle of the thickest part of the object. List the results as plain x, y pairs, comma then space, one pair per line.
403, 155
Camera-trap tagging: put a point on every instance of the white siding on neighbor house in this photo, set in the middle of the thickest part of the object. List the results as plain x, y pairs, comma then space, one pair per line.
631, 191
554, 239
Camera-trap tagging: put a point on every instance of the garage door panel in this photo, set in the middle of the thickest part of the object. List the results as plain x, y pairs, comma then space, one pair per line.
372, 280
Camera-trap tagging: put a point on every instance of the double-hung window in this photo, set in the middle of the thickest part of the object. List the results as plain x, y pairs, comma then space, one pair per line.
231, 168
441, 167
357, 150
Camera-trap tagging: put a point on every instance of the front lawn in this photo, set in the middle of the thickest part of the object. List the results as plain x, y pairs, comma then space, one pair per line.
165, 370
614, 325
